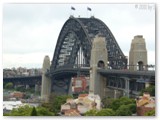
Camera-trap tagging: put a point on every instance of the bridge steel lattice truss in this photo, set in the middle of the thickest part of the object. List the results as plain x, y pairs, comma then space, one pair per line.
75, 42
73, 49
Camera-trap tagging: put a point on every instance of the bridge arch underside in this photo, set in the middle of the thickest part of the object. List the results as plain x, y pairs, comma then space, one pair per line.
61, 80
73, 48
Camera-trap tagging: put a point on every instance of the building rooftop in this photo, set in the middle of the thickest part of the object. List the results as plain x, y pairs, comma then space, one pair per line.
83, 95
72, 112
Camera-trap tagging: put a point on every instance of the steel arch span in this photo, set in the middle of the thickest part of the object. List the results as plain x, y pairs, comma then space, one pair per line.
74, 44
75, 41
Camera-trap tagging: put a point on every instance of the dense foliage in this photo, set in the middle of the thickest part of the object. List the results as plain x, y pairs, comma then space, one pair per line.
34, 112
132, 107
55, 102
150, 90
123, 106
21, 111
111, 107
116, 103
123, 110
150, 113
30, 111
92, 112
8, 85
106, 112
41, 111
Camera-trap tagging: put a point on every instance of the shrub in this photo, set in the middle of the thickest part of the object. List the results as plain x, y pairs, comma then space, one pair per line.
123, 110
150, 113
106, 112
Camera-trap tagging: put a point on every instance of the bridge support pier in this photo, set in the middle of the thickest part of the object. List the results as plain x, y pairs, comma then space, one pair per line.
99, 59
127, 89
138, 54
46, 81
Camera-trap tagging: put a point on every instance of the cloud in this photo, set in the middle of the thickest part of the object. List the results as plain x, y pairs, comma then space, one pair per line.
127, 33
31, 60
30, 38
34, 28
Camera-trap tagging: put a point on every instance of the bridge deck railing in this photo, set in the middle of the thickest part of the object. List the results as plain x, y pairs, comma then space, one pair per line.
73, 66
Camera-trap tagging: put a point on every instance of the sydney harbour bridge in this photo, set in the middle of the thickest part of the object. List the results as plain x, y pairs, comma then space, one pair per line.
72, 58
75, 42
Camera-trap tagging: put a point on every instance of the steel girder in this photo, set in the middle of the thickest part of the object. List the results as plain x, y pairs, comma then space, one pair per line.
78, 33
118, 82
116, 58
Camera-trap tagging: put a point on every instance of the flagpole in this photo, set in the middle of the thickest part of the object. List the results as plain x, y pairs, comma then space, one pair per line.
89, 9
72, 9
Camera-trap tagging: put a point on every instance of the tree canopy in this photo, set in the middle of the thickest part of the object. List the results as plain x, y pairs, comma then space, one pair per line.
123, 106
34, 112
116, 103
21, 111
123, 110
106, 112
92, 112
41, 111
150, 90
9, 85
150, 113
30, 111
55, 102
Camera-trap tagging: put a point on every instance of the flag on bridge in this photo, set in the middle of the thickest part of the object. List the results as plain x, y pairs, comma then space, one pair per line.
89, 9
72, 8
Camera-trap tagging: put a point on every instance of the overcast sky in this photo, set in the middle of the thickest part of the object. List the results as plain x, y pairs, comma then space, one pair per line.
30, 31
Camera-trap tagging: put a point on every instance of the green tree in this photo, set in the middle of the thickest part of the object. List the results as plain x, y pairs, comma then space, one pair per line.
21, 111
21, 89
115, 104
55, 102
30, 111
58, 101
132, 107
42, 111
34, 112
92, 112
126, 101
150, 90
150, 113
9, 85
123, 110
106, 112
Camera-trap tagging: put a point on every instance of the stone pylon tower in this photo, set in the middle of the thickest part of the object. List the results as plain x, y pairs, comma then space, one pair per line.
46, 81
138, 54
99, 60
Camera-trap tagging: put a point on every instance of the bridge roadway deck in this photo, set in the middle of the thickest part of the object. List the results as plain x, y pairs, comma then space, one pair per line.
85, 71
60, 72
103, 71
23, 79
126, 72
